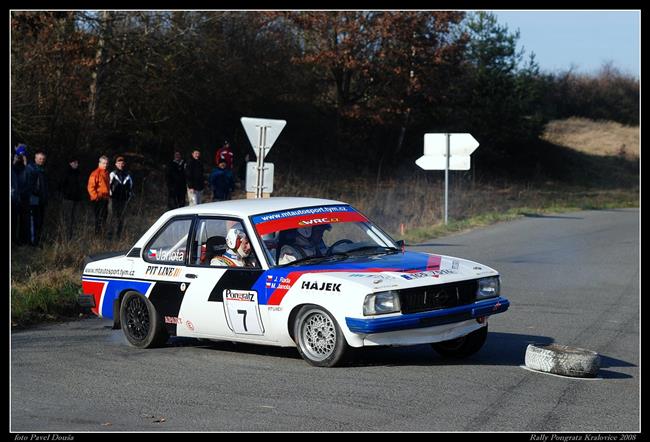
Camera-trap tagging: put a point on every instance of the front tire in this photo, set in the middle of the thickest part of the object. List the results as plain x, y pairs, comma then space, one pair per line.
318, 337
464, 346
140, 322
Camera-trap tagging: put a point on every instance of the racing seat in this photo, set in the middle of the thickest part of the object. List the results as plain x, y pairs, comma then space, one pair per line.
214, 246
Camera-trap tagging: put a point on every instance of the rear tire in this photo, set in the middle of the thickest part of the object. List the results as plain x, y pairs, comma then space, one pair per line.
464, 346
318, 337
141, 323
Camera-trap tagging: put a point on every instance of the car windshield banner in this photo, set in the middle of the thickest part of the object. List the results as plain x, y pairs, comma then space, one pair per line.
307, 217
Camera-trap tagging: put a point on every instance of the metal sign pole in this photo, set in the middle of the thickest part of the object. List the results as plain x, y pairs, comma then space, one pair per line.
447, 177
260, 162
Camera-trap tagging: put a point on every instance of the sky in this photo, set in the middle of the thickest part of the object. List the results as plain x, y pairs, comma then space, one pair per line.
582, 39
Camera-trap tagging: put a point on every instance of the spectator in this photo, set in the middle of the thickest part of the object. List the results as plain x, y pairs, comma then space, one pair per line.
225, 153
71, 190
195, 179
99, 191
19, 197
176, 183
36, 182
121, 189
222, 182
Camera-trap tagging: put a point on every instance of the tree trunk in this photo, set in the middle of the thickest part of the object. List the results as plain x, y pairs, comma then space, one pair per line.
100, 58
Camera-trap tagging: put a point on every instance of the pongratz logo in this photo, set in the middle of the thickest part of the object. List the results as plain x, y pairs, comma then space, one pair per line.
318, 221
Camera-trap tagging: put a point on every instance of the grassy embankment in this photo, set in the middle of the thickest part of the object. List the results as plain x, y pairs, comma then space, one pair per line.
45, 282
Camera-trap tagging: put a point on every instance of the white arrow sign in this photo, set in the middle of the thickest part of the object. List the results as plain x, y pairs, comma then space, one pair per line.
262, 132
447, 152
430, 162
459, 144
461, 147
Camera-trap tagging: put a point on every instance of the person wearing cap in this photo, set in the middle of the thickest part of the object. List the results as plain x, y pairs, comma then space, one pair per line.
304, 242
37, 188
222, 182
225, 152
71, 189
121, 190
99, 191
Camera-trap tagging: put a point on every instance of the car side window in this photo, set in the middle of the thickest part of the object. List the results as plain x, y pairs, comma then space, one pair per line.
209, 246
170, 244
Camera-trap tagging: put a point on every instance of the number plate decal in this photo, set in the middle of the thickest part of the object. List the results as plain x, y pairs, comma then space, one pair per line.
242, 312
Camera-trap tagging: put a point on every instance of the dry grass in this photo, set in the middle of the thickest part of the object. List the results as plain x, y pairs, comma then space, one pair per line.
604, 138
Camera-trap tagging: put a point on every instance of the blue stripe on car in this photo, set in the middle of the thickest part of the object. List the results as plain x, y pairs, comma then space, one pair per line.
113, 290
428, 319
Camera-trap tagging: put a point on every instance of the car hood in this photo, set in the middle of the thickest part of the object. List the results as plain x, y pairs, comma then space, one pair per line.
397, 270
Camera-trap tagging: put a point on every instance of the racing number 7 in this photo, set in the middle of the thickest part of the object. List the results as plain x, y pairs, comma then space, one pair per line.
243, 312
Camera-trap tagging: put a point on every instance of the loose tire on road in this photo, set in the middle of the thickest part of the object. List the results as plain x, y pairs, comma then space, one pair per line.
464, 346
140, 322
562, 360
318, 337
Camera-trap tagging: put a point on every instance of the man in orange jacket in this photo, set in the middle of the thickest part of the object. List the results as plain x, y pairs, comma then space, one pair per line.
98, 189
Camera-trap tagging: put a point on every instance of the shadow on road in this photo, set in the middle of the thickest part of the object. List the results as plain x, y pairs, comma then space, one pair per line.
505, 349
235, 347
539, 215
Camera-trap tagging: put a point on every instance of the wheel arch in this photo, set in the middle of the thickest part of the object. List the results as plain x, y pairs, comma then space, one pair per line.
352, 339
117, 302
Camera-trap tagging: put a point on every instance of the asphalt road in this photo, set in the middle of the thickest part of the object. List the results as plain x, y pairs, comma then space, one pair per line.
571, 279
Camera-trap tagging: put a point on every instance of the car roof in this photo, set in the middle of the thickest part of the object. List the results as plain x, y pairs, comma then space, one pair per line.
249, 207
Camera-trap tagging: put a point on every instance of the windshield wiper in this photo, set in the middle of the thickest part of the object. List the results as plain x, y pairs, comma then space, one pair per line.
314, 258
383, 249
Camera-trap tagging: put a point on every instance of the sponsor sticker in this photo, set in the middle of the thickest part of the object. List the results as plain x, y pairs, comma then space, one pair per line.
173, 272
111, 272
316, 221
242, 312
427, 274
322, 286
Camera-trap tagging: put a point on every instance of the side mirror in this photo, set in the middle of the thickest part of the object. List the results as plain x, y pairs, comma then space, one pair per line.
401, 244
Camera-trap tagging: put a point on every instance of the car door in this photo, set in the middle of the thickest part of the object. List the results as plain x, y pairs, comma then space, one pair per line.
160, 270
220, 303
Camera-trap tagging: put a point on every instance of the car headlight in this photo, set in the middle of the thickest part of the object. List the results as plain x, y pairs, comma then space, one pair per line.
381, 303
488, 288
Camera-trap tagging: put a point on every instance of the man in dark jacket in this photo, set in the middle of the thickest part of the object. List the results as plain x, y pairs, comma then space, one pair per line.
71, 189
176, 183
222, 182
36, 183
121, 186
195, 178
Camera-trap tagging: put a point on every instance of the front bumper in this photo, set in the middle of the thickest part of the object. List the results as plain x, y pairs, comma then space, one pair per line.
428, 319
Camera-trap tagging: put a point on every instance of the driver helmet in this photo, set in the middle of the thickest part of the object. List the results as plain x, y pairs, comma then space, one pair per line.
234, 241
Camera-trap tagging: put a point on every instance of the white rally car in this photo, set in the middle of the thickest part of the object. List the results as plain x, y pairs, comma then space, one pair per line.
319, 276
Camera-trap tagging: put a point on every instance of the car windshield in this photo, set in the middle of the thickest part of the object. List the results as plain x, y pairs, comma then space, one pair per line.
314, 235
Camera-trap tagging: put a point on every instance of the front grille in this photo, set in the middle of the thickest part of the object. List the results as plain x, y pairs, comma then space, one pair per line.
434, 297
